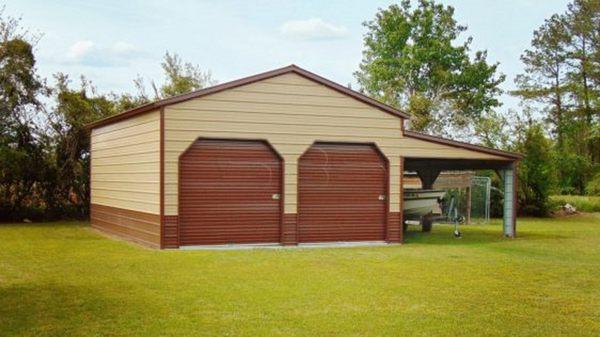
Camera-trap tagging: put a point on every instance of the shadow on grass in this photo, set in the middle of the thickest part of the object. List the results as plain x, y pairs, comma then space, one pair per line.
49, 224
471, 235
53, 310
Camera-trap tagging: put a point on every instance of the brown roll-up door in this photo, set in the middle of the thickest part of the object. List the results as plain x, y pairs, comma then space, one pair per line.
342, 193
229, 192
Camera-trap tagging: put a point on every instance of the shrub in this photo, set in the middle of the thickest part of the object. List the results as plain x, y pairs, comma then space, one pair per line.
593, 186
536, 171
582, 203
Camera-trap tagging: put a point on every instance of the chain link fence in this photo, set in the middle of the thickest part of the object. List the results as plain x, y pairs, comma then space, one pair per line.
481, 188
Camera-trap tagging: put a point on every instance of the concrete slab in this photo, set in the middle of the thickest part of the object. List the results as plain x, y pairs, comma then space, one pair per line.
279, 246
234, 246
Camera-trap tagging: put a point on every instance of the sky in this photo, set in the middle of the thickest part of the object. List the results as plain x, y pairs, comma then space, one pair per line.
112, 42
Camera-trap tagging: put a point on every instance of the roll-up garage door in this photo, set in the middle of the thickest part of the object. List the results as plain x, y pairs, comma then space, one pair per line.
342, 193
229, 192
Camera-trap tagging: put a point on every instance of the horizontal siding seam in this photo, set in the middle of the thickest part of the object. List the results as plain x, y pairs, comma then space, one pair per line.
126, 154
250, 91
129, 135
280, 143
307, 84
125, 181
124, 190
132, 229
121, 216
282, 104
125, 235
112, 147
122, 162
263, 133
122, 199
286, 124
229, 110
99, 132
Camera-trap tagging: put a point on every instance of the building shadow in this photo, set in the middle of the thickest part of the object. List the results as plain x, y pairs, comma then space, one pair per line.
443, 234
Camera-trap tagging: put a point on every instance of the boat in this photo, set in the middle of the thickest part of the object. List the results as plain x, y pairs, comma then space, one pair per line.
418, 203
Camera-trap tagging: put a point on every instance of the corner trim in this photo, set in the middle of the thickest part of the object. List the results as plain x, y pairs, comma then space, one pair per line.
162, 177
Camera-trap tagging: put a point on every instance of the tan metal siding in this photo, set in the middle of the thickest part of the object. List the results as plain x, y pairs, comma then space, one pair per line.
291, 112
126, 164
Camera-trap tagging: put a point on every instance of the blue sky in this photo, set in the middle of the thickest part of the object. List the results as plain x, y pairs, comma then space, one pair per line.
111, 42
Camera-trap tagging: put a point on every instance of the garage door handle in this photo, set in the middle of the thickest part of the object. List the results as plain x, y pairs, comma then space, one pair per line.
381, 197
276, 196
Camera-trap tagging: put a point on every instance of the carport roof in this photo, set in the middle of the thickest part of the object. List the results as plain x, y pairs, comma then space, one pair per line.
463, 145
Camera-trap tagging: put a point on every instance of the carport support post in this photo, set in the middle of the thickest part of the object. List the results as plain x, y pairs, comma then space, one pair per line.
510, 195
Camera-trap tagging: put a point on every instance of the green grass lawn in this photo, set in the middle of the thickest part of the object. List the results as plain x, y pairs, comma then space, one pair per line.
64, 279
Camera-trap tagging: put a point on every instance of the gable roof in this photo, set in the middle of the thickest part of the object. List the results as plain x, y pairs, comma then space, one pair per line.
313, 77
462, 145
247, 80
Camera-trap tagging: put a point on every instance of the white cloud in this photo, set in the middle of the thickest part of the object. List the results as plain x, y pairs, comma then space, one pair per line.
89, 53
123, 48
312, 29
80, 49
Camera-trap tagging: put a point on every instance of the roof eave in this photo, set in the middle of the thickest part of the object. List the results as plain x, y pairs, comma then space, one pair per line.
478, 148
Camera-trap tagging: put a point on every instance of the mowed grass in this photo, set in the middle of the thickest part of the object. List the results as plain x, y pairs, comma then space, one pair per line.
583, 203
64, 279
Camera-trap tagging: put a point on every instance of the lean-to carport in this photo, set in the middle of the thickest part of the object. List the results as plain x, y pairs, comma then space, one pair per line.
505, 164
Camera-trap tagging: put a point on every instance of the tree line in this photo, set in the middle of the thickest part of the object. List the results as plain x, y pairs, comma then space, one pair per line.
415, 57
44, 147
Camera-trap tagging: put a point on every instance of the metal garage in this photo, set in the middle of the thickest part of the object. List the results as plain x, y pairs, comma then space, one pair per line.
284, 157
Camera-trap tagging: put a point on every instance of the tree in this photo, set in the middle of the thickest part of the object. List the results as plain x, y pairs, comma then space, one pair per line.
19, 84
412, 60
582, 24
561, 82
69, 190
44, 152
20, 88
492, 129
537, 177
181, 77
593, 186
545, 80
127, 101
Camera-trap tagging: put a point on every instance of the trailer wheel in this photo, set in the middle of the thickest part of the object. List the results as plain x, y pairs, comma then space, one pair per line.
426, 224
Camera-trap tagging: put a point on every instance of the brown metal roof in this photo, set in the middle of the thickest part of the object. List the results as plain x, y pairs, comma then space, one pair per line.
247, 80
463, 145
